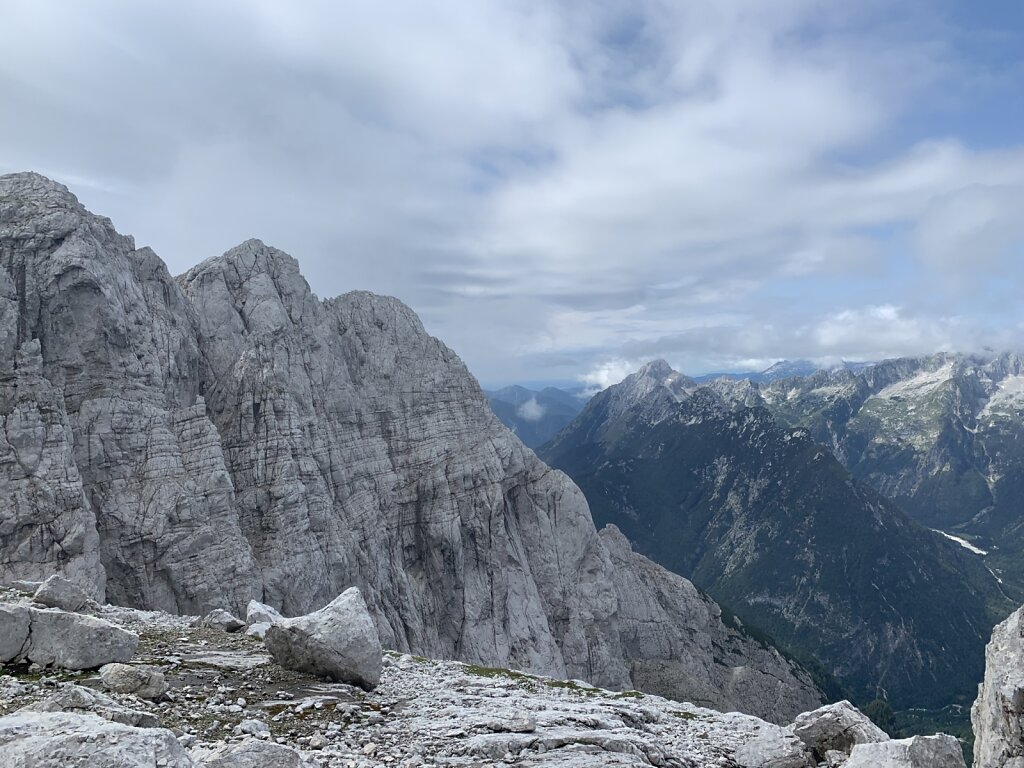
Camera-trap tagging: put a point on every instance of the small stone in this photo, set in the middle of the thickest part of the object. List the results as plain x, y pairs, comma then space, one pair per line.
144, 682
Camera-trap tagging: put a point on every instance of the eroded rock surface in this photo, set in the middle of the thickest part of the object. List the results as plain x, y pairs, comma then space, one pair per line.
998, 712
61, 739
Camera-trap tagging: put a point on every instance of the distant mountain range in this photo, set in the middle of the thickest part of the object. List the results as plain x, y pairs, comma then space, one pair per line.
710, 481
783, 369
943, 436
535, 416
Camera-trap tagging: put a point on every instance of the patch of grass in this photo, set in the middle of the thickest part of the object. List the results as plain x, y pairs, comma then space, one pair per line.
683, 715
571, 685
628, 695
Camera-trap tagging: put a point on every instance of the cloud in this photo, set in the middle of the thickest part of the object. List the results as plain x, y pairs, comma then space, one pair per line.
531, 410
554, 186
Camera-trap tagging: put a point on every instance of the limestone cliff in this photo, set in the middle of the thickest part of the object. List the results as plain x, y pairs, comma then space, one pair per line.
192, 444
998, 712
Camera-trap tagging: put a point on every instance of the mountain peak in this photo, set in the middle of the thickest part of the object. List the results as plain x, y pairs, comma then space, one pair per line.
657, 368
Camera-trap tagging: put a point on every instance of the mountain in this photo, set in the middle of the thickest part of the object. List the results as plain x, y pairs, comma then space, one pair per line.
784, 369
942, 435
535, 416
192, 443
774, 527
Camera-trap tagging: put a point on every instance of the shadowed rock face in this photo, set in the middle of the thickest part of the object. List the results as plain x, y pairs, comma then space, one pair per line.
230, 436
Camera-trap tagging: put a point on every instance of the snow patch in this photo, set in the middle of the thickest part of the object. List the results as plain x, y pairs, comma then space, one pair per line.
962, 542
1008, 397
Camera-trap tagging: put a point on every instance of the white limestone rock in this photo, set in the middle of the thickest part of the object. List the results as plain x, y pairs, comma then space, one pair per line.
220, 619
62, 639
939, 751
61, 740
251, 753
144, 682
998, 712
118, 475
260, 613
58, 592
76, 698
338, 642
14, 624
836, 727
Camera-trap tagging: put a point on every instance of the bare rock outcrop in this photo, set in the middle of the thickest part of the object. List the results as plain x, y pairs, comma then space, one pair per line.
106, 433
939, 751
61, 739
998, 712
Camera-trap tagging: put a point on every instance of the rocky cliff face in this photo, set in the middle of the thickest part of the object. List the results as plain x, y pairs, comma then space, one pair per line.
998, 712
191, 444
675, 637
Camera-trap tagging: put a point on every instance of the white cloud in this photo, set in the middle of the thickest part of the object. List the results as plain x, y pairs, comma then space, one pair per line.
551, 185
531, 410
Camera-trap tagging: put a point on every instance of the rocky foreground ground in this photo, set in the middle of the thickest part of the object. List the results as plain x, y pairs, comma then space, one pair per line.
227, 703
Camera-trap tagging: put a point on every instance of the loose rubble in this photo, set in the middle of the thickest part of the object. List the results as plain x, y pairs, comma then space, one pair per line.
227, 703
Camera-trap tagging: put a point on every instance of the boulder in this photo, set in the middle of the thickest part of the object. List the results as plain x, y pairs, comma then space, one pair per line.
62, 639
836, 727
252, 753
62, 740
939, 751
76, 698
220, 619
338, 642
144, 682
773, 748
260, 613
14, 624
258, 631
74, 641
58, 592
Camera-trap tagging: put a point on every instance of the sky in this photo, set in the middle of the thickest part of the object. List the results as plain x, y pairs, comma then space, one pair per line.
562, 190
